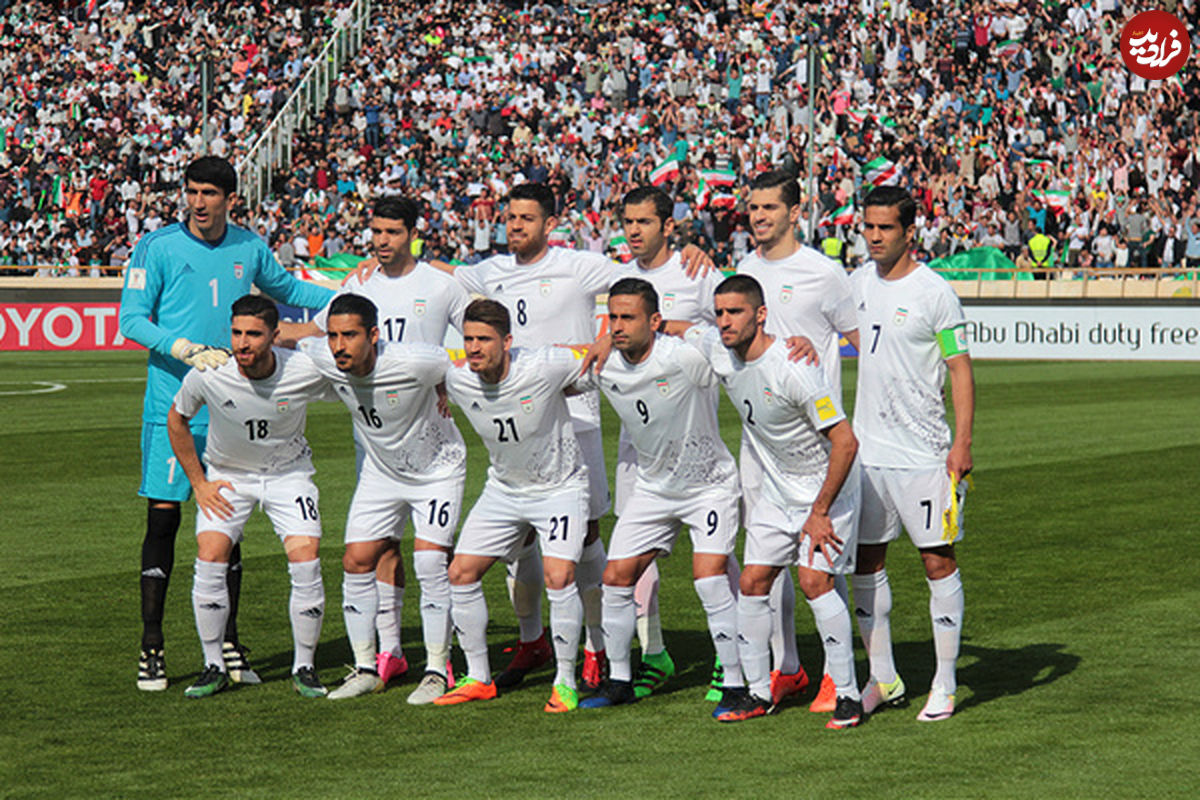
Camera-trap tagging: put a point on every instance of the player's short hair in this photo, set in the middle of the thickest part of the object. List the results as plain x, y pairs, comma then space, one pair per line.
744, 285
212, 169
401, 208
255, 305
897, 198
663, 206
356, 304
540, 193
489, 312
784, 180
639, 287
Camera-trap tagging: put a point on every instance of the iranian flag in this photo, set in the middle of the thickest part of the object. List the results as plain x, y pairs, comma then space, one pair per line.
1057, 199
703, 193
881, 172
840, 216
723, 201
857, 115
562, 236
620, 245
1008, 49
1037, 162
718, 177
666, 171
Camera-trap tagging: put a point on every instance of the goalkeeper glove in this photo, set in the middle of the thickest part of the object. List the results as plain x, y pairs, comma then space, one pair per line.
200, 356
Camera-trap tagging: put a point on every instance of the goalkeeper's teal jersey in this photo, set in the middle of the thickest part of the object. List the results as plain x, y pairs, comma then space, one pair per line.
179, 285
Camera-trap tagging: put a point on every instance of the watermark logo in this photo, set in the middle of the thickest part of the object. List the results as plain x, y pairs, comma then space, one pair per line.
1155, 45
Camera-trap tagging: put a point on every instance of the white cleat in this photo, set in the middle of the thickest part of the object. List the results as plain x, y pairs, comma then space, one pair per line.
237, 665
431, 686
938, 707
360, 681
876, 694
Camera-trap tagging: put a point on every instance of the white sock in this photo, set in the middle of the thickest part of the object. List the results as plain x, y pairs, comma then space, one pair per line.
588, 573
782, 601
754, 623
620, 617
566, 622
873, 608
649, 623
946, 611
387, 620
525, 583
719, 605
430, 568
360, 604
468, 609
837, 635
210, 601
307, 608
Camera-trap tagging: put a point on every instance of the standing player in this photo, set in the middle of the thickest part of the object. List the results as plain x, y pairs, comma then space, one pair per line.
175, 303
807, 295
257, 455
806, 511
913, 469
515, 400
665, 394
416, 302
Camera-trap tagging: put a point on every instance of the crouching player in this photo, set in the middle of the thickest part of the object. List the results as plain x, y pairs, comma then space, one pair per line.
516, 401
807, 512
256, 455
413, 466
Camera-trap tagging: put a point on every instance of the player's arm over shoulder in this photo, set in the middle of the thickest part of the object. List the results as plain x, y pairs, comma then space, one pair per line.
427, 363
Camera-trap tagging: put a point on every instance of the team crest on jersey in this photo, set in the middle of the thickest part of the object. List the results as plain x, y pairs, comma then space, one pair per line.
768, 395
393, 397
663, 386
238, 270
281, 405
901, 315
785, 294
527, 404
668, 301
137, 278
419, 306
544, 287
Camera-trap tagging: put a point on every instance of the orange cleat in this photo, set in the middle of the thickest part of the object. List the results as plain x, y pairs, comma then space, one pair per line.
787, 685
468, 689
826, 699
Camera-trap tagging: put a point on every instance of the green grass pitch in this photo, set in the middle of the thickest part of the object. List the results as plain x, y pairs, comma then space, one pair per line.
1077, 670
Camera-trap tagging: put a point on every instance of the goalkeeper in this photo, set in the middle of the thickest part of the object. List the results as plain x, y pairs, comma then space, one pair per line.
179, 286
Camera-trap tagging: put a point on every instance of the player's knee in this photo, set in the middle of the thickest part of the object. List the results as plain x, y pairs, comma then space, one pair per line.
301, 548
939, 562
754, 583
559, 576
618, 573
813, 583
870, 558
461, 574
356, 562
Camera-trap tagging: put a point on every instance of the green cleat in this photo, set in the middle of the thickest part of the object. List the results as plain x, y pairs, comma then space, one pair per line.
652, 673
562, 698
306, 683
211, 681
716, 687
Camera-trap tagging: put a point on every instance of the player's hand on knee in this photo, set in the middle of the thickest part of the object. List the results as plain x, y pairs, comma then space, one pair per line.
801, 348
211, 501
819, 528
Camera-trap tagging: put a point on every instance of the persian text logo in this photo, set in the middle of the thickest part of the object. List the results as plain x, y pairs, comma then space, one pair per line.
1155, 45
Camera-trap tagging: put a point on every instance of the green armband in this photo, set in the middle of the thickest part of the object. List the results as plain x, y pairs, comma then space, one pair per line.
953, 341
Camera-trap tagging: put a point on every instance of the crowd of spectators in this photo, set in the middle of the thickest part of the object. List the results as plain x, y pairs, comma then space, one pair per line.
1008, 120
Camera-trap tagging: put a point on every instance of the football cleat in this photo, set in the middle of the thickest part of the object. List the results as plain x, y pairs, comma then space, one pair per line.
595, 667
468, 689
237, 665
360, 681
717, 684
307, 684
652, 673
211, 681
787, 685
612, 693
938, 707
390, 666
152, 671
562, 698
880, 695
847, 714
529, 656
826, 699
748, 706
731, 698
431, 687
449, 674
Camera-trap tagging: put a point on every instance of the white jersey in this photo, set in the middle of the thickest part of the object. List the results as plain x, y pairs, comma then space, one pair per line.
901, 408
681, 297
255, 425
394, 410
416, 307
523, 420
667, 404
551, 301
784, 406
809, 295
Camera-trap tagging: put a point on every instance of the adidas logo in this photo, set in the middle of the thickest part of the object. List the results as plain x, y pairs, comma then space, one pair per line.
429, 607
721, 637
187, 268
616, 388
560, 639
154, 572
499, 287
229, 404
214, 606
831, 640
862, 613
350, 608
312, 613
475, 406
945, 622
343, 390
862, 306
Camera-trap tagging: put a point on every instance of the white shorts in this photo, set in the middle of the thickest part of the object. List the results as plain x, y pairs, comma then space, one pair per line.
651, 521
381, 503
290, 501
626, 473
591, 445
500, 520
919, 499
773, 534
